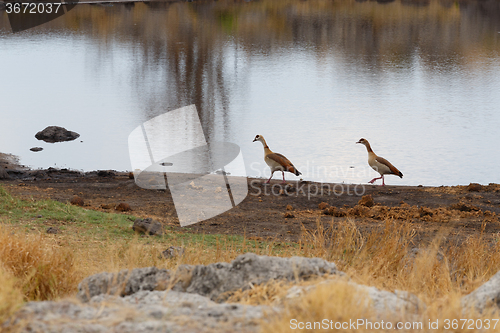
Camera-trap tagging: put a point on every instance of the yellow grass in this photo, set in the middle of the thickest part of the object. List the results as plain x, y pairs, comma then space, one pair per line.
41, 266
11, 296
42, 269
336, 302
440, 274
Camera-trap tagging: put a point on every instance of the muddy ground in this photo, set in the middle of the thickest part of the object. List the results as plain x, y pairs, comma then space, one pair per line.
458, 211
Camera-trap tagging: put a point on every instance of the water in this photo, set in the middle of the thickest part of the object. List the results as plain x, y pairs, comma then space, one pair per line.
421, 83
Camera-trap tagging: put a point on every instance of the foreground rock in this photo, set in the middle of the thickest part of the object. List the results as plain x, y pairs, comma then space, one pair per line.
486, 296
132, 301
144, 311
54, 134
138, 300
384, 303
211, 280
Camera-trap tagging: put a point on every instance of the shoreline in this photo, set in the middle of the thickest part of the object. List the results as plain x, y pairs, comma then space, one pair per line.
10, 168
275, 211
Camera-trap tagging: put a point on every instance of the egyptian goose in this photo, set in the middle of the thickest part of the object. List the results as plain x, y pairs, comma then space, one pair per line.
379, 164
276, 162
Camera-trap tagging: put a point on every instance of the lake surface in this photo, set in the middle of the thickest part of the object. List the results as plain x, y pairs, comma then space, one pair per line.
419, 80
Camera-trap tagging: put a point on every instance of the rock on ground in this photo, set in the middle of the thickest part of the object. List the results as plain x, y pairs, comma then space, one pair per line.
4, 174
384, 302
123, 283
488, 295
140, 300
211, 280
173, 252
148, 226
137, 301
395, 303
144, 311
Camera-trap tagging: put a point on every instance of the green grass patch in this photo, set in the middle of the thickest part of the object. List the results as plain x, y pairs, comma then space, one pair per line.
43, 213
81, 225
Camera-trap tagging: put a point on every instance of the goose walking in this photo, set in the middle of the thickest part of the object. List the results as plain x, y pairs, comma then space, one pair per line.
276, 162
379, 164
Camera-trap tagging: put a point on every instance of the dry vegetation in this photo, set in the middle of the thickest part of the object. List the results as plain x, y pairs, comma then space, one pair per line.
38, 266
439, 274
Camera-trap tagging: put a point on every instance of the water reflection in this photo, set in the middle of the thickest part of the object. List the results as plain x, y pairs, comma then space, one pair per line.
313, 76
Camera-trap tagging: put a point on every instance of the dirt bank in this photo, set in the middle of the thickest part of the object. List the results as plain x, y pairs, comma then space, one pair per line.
458, 211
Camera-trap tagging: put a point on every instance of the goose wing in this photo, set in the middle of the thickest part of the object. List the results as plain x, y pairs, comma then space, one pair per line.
284, 162
393, 169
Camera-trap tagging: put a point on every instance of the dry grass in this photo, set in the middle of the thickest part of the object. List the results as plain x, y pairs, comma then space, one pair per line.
439, 274
11, 296
40, 266
43, 270
340, 305
389, 257
339, 302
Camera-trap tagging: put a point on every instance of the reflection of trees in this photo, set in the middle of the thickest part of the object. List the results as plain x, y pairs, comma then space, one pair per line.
183, 54
181, 49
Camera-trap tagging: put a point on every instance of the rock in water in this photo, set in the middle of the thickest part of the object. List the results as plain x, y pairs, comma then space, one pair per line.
54, 134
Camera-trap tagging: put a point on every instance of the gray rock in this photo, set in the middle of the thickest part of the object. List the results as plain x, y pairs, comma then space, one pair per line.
123, 283
383, 302
172, 252
54, 134
148, 226
396, 302
144, 311
3, 173
157, 300
212, 280
215, 279
52, 230
488, 295
106, 173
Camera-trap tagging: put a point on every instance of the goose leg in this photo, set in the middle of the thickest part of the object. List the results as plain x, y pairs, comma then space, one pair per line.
269, 178
283, 177
374, 179
383, 183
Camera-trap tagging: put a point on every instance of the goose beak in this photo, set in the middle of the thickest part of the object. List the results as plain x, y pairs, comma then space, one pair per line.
254, 140
358, 142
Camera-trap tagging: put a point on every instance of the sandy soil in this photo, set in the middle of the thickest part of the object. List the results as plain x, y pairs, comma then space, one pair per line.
458, 211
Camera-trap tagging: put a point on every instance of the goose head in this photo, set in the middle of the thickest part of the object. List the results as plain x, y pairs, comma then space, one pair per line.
363, 141
258, 138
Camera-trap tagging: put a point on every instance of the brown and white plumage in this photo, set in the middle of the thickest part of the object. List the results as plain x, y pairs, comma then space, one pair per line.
276, 161
379, 164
